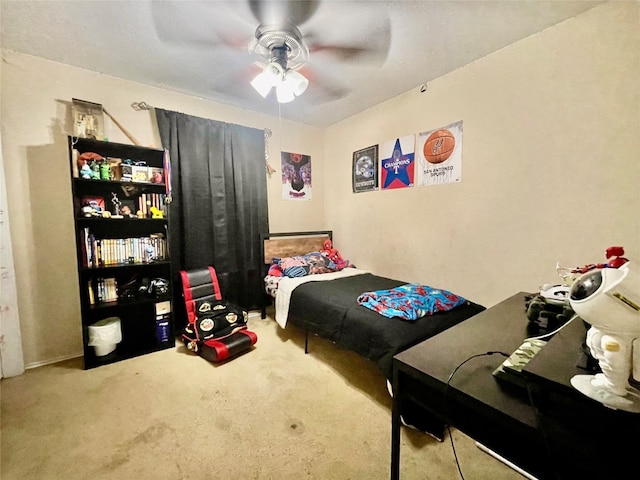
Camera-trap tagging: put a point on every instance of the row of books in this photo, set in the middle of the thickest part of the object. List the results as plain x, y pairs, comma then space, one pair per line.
148, 200
100, 252
106, 291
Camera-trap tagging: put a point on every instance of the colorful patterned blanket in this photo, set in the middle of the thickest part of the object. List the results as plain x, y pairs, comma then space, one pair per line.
410, 301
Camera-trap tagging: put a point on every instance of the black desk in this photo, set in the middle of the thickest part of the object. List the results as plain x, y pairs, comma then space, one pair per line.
565, 436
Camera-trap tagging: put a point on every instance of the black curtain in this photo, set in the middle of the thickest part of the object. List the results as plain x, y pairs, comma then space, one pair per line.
219, 205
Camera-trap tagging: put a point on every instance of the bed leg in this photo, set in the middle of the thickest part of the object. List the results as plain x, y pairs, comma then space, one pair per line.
306, 340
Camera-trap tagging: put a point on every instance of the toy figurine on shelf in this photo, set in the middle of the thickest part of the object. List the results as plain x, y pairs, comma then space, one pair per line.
125, 211
156, 213
105, 171
85, 171
116, 205
149, 253
92, 208
87, 211
95, 170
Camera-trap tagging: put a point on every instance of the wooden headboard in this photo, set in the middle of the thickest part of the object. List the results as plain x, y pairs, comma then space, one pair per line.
289, 244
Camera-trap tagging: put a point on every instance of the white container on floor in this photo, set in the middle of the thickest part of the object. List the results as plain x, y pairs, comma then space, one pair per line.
104, 335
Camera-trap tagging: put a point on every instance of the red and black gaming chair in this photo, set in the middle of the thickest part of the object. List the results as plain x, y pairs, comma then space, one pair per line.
216, 329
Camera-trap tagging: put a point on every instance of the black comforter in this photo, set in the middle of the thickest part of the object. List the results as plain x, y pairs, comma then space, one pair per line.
330, 309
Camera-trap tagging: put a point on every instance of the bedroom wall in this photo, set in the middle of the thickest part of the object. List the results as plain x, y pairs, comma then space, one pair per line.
550, 168
35, 110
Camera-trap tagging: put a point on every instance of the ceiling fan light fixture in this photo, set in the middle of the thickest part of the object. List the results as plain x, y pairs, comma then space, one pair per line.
298, 81
292, 85
268, 78
284, 92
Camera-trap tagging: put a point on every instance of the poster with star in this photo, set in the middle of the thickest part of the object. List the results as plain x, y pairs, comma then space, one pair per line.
439, 155
397, 163
296, 176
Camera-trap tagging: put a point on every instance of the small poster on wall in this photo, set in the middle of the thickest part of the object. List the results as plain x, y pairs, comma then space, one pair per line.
365, 169
296, 176
397, 165
439, 154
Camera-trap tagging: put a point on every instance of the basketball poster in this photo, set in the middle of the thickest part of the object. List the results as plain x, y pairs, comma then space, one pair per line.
365, 170
439, 155
397, 164
296, 176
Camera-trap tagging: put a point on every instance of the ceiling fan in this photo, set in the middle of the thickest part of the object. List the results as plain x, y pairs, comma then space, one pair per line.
288, 61
283, 48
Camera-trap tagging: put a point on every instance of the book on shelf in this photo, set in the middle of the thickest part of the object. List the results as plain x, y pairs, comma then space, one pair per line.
92, 297
101, 252
107, 289
148, 200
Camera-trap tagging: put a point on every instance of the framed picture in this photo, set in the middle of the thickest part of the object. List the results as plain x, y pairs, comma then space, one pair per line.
156, 175
88, 119
365, 169
128, 208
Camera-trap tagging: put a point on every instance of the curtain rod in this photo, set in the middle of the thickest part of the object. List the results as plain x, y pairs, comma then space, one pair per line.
137, 106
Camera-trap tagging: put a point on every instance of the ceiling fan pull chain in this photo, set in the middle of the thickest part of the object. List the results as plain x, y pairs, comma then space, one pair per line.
267, 134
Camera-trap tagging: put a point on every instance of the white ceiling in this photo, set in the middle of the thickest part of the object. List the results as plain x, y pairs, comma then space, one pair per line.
200, 48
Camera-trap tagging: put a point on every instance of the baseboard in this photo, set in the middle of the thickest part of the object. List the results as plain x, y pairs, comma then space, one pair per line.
53, 360
505, 461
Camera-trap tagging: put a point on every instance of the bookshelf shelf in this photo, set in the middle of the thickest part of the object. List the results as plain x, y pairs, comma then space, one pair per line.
124, 270
125, 265
92, 183
127, 303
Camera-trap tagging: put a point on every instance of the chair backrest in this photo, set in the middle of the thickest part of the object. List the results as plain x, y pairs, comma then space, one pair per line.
199, 285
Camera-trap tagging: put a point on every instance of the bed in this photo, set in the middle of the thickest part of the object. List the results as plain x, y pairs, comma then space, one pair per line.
326, 304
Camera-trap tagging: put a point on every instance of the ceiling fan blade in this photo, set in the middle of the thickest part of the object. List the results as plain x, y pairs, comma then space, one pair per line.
344, 53
355, 35
322, 87
191, 24
283, 12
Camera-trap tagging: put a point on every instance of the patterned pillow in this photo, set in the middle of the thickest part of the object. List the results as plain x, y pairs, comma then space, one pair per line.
303, 265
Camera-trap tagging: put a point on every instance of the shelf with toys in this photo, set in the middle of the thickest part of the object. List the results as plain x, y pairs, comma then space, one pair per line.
120, 208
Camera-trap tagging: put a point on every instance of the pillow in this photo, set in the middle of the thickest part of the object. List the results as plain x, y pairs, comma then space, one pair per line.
275, 271
303, 265
271, 284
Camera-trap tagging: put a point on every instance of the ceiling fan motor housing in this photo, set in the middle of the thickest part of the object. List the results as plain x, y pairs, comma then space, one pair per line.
282, 45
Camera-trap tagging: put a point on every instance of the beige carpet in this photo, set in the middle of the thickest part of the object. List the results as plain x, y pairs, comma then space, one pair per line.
272, 413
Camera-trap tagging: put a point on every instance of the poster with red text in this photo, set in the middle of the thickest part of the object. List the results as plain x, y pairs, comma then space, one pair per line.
439, 155
296, 176
397, 163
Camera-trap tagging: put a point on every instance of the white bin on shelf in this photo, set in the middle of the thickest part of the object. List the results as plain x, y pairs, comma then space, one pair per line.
104, 335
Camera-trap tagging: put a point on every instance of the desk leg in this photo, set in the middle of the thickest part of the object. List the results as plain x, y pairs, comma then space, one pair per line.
395, 427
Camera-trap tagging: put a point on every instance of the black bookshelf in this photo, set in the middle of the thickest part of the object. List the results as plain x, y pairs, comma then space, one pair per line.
122, 244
